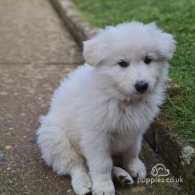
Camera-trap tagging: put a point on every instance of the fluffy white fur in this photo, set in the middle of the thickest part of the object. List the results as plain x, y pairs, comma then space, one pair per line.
96, 113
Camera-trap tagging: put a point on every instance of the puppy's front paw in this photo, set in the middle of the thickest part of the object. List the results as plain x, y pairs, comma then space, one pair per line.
81, 183
137, 169
103, 188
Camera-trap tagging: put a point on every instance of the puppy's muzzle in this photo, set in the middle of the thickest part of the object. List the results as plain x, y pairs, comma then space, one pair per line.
141, 86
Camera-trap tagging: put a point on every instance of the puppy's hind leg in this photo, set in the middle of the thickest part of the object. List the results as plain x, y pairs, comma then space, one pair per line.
58, 152
122, 176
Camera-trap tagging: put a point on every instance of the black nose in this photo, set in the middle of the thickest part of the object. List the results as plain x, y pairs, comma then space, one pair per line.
141, 86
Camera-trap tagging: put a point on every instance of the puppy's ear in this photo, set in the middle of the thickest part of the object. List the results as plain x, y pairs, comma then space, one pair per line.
167, 45
94, 51
165, 42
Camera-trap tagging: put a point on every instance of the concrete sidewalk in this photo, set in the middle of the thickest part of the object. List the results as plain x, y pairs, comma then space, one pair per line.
36, 51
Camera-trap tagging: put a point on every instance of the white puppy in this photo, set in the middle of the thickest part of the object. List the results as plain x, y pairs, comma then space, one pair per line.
103, 108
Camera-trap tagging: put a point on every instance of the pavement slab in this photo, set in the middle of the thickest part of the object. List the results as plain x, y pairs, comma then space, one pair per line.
36, 52
31, 31
25, 95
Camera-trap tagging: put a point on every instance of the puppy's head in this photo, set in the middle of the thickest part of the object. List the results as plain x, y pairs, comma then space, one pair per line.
133, 57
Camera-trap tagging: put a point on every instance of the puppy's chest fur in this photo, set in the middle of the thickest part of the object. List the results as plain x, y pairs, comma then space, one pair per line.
128, 122
129, 117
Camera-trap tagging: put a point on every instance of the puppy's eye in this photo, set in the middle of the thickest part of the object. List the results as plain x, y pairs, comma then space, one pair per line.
147, 60
123, 64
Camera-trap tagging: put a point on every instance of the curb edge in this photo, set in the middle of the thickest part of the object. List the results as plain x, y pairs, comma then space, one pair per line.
72, 18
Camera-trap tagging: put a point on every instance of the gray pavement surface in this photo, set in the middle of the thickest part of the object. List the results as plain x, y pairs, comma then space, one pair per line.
30, 31
36, 51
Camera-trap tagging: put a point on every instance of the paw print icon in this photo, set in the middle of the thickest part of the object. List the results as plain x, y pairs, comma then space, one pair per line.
160, 171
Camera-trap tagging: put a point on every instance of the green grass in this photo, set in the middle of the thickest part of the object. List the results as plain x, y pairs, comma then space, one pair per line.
176, 17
